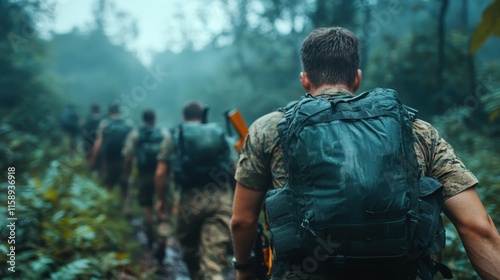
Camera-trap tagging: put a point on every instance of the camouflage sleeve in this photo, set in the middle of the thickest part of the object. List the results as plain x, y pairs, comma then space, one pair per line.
445, 165
129, 123
167, 147
100, 128
130, 142
253, 169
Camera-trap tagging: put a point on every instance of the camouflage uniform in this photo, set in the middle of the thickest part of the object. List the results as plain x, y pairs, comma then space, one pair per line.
261, 164
203, 223
145, 180
112, 168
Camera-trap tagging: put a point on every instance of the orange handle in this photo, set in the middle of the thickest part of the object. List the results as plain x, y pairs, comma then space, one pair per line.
239, 124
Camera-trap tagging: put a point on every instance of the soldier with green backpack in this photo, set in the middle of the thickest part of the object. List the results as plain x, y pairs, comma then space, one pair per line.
111, 134
353, 185
199, 160
143, 145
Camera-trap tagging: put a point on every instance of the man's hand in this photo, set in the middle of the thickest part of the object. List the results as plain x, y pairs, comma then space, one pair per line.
161, 209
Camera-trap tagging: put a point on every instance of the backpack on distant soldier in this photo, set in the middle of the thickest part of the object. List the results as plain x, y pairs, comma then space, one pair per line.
113, 138
69, 119
148, 147
201, 151
90, 126
354, 194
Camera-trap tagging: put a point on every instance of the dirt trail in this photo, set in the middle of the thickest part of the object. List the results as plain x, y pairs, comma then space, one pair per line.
173, 268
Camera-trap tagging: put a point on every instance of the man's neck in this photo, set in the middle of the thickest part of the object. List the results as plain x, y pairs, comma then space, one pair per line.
340, 87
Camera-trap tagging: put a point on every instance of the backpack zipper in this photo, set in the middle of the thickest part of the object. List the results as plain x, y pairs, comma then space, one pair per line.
306, 225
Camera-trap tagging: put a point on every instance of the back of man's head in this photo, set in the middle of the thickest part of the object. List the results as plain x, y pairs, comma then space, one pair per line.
330, 56
193, 111
95, 109
149, 117
114, 108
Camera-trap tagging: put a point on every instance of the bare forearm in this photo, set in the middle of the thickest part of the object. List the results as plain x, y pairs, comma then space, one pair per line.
483, 249
159, 184
246, 208
160, 179
95, 149
243, 235
477, 232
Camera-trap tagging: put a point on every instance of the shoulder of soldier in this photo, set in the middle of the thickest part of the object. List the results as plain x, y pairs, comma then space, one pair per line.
424, 129
165, 133
267, 122
129, 123
134, 133
103, 122
132, 136
265, 127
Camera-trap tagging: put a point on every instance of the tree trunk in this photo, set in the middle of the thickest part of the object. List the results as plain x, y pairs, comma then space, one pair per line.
364, 46
470, 59
441, 35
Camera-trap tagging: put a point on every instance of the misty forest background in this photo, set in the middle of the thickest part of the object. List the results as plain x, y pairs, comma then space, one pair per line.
441, 56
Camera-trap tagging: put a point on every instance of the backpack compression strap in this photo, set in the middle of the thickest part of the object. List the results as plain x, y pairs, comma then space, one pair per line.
283, 125
412, 112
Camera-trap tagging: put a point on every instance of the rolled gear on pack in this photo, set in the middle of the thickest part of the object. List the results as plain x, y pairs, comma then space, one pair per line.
201, 151
148, 147
113, 138
353, 187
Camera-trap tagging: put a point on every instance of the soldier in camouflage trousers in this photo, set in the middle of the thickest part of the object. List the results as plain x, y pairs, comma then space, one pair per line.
204, 212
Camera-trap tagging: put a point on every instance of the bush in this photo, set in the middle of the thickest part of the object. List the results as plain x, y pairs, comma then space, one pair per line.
68, 227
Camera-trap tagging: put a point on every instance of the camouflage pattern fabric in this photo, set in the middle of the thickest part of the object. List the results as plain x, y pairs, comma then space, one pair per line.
203, 230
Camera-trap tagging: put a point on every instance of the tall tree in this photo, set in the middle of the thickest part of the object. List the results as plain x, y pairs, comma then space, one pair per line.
441, 41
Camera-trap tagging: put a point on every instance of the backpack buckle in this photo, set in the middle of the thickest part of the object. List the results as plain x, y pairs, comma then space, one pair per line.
340, 261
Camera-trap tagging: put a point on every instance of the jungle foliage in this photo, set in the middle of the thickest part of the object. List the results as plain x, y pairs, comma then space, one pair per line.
69, 227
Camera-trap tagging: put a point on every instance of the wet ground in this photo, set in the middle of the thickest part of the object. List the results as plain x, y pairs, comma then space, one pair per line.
172, 268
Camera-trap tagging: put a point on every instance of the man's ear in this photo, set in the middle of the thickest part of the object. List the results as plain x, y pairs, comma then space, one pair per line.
357, 81
304, 80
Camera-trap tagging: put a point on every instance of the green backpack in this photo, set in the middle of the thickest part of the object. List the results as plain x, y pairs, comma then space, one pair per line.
113, 138
148, 148
201, 151
354, 195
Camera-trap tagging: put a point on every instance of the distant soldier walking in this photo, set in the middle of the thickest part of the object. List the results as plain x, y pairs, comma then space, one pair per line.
70, 125
199, 157
111, 134
143, 145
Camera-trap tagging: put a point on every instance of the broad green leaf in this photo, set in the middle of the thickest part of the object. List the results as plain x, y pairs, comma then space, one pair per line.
489, 25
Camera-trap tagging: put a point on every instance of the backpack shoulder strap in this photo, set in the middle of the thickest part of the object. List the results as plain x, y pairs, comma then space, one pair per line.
284, 124
412, 112
179, 143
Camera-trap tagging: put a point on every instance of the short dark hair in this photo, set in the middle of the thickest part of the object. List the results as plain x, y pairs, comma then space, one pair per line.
193, 110
114, 107
330, 56
95, 108
148, 116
